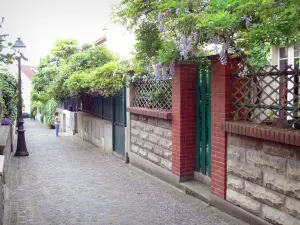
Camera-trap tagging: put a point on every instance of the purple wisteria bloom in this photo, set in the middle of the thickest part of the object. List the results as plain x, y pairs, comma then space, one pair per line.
157, 73
160, 17
178, 11
161, 28
164, 74
185, 45
196, 36
5, 121
172, 69
247, 21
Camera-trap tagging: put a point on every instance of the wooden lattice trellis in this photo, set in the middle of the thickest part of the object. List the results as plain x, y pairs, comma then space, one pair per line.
268, 97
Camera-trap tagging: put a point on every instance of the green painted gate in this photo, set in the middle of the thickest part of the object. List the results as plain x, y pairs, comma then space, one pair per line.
119, 122
203, 122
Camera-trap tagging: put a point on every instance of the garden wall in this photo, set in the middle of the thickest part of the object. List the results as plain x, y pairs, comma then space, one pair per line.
95, 130
263, 174
68, 121
6, 139
151, 139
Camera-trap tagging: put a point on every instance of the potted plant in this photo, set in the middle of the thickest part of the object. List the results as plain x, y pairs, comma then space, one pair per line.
5, 122
270, 120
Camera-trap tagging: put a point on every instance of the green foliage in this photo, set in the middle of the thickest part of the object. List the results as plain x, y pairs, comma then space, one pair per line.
49, 111
9, 86
246, 27
63, 49
67, 71
7, 54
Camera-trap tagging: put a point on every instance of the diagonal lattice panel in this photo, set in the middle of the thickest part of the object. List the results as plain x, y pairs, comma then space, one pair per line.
265, 96
152, 94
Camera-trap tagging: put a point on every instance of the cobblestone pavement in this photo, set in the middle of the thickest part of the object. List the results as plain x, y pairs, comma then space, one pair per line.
67, 181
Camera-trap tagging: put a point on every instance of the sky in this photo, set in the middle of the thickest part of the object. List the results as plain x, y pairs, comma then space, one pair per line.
40, 22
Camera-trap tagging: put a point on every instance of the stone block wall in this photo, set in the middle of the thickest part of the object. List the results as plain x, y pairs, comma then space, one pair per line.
263, 177
95, 130
151, 139
6, 139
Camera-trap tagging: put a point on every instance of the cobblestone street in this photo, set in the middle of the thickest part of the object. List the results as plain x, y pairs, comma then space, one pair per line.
66, 181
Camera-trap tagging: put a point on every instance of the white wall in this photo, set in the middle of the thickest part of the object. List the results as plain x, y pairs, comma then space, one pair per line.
26, 90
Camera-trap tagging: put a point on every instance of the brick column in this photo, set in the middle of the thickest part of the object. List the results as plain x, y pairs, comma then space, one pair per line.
184, 120
221, 98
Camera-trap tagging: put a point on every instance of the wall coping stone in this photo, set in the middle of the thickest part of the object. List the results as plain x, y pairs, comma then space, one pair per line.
151, 112
281, 135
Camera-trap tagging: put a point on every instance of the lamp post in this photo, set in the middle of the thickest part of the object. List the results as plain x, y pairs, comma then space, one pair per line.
21, 144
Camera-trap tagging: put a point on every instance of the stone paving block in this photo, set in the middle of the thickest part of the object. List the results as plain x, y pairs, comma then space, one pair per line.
243, 201
167, 155
293, 169
135, 148
135, 132
149, 146
153, 158
282, 184
278, 217
293, 206
245, 171
264, 195
266, 162
166, 164
236, 153
235, 183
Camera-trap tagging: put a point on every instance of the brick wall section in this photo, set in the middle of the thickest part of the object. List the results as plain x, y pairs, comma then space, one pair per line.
221, 99
184, 119
264, 178
151, 139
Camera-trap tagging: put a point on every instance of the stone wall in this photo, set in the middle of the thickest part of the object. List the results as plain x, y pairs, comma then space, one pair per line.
263, 177
151, 139
68, 121
6, 138
95, 130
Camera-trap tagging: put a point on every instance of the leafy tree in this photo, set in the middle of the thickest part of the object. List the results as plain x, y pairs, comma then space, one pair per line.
63, 49
246, 28
9, 86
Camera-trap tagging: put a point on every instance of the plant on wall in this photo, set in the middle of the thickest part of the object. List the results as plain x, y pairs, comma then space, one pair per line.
9, 86
169, 30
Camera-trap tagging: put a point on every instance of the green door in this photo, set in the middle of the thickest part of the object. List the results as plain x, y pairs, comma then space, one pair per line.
203, 122
119, 122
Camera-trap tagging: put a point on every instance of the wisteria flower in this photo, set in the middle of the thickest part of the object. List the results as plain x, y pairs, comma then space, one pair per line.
157, 73
161, 28
178, 11
164, 73
160, 17
5, 121
247, 21
185, 45
172, 69
196, 36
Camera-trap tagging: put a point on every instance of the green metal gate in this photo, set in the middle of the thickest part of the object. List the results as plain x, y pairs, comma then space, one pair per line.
203, 122
119, 122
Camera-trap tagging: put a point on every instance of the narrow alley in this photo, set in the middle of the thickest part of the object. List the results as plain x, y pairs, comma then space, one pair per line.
67, 181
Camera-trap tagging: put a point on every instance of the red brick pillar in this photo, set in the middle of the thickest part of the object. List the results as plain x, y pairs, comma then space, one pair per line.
221, 98
184, 120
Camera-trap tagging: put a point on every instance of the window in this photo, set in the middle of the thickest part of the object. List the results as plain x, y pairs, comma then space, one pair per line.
283, 58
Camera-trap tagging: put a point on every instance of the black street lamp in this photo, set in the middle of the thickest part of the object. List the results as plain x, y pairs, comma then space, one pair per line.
21, 144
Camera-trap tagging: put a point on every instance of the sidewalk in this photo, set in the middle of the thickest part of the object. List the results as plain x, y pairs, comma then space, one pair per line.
67, 181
